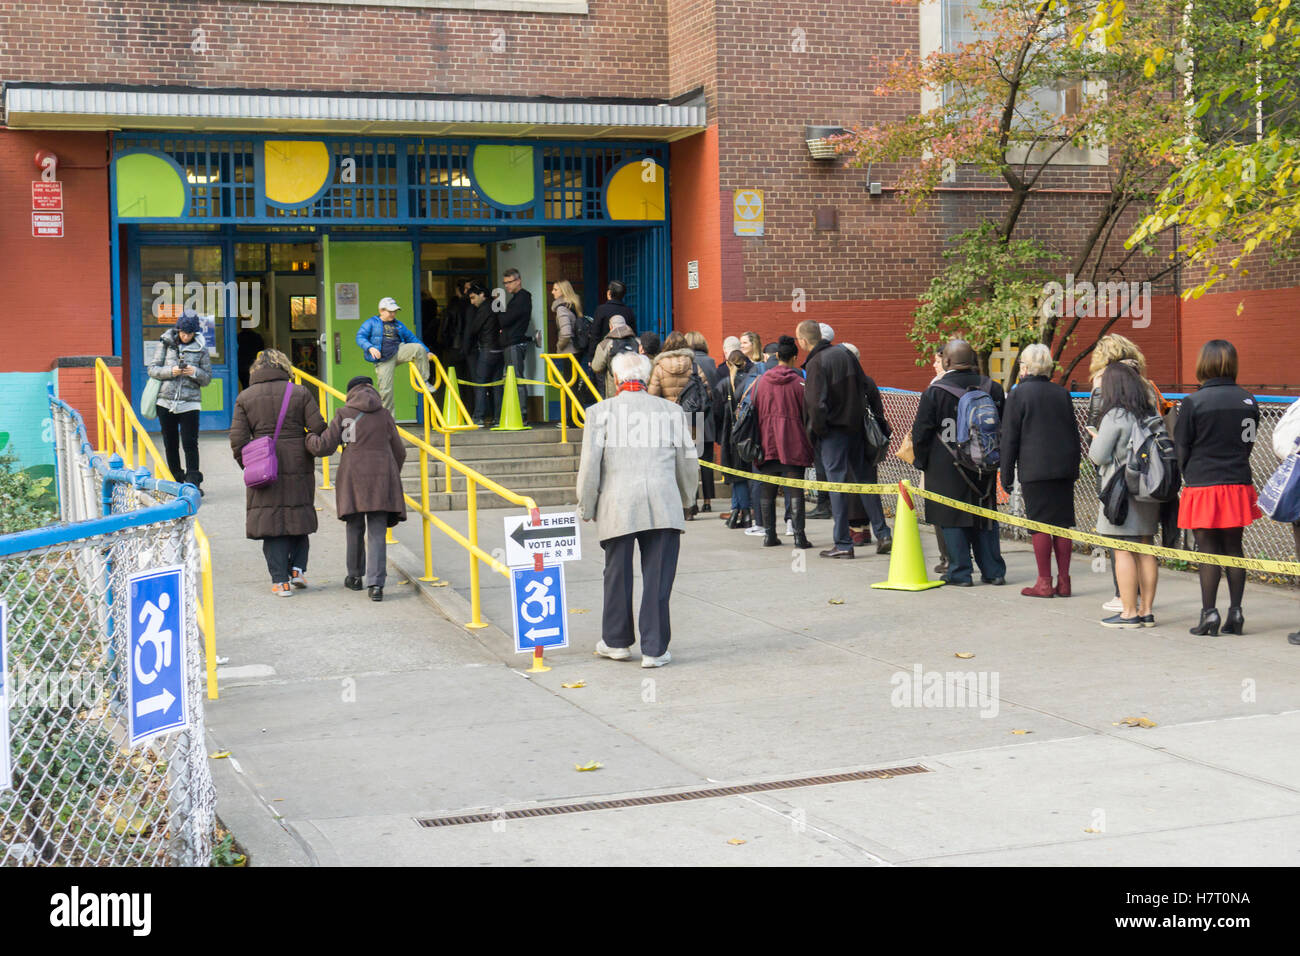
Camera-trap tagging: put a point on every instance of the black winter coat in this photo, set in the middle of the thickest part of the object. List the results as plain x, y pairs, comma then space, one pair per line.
604, 312
1215, 434
515, 319
833, 391
1040, 434
942, 474
482, 329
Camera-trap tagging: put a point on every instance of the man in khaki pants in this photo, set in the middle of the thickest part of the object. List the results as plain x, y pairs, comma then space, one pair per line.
387, 343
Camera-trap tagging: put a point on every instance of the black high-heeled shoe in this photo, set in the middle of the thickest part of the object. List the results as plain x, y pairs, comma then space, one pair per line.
1209, 623
1235, 623
734, 520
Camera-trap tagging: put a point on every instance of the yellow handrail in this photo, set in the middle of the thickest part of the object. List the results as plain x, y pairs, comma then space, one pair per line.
428, 519
119, 431
571, 405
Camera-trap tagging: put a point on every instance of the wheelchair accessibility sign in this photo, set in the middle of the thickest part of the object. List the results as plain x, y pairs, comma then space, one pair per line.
156, 653
541, 615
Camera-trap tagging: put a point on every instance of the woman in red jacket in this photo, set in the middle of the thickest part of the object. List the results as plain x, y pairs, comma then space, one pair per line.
778, 402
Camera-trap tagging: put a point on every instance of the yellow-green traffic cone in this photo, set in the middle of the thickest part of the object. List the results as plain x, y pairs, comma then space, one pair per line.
906, 559
450, 408
512, 420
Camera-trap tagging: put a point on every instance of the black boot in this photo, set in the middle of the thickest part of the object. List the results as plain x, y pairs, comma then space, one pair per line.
195, 478
1209, 623
797, 519
770, 540
1235, 623
734, 520
746, 518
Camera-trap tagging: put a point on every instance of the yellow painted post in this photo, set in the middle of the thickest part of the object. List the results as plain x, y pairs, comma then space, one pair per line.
446, 448
471, 510
324, 462
99, 408
208, 614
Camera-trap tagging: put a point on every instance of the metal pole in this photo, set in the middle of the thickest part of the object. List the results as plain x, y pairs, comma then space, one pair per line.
476, 611
324, 462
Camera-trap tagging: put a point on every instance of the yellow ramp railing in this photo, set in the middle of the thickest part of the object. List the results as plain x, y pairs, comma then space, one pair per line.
435, 421
119, 431
563, 371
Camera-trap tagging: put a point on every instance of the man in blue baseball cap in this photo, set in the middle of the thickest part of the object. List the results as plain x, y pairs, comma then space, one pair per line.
387, 343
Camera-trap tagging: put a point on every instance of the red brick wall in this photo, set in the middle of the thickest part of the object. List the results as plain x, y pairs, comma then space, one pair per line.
57, 291
695, 225
1264, 333
619, 48
76, 386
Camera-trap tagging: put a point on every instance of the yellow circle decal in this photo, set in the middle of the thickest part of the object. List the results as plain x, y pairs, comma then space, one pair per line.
295, 171
636, 191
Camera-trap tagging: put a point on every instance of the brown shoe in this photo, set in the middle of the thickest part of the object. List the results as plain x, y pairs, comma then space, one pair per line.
836, 553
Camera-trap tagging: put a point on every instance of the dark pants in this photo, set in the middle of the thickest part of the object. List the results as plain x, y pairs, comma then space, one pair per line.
178, 430
367, 550
986, 546
487, 369
843, 453
793, 507
283, 553
514, 357
659, 550
707, 474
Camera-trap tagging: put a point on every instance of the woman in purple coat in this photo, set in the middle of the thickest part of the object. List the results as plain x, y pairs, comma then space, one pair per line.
778, 402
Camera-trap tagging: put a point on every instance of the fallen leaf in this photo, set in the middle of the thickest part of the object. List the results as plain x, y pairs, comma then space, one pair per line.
278, 800
579, 610
1022, 731
1137, 722
964, 655
218, 754
835, 601
594, 765
575, 685
1091, 830
736, 841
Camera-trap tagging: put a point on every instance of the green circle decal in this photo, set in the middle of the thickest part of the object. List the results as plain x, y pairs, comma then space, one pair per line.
504, 174
148, 185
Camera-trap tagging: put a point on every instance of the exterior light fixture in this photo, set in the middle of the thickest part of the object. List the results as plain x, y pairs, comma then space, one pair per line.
816, 138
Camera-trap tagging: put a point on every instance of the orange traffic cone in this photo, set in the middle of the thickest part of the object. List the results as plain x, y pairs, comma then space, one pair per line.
906, 559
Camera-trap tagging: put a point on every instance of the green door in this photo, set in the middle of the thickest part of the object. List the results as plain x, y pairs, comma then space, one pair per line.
355, 276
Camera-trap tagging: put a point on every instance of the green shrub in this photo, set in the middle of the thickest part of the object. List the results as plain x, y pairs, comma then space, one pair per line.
26, 499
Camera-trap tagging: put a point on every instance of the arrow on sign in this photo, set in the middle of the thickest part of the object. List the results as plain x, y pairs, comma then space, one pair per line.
520, 535
161, 702
535, 633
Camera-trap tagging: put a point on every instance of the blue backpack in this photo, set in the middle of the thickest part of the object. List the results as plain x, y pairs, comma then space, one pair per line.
978, 447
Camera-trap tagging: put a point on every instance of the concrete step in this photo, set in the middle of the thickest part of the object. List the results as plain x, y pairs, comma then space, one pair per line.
502, 469
548, 433
519, 483
458, 500
515, 450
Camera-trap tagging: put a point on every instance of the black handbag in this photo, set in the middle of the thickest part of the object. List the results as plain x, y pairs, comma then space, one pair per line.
877, 443
1114, 498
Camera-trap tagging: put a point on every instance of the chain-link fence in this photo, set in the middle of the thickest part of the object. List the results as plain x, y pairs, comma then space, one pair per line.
1263, 539
81, 793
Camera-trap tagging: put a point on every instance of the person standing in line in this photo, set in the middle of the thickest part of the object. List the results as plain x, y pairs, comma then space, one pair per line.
619, 339
386, 343
1286, 442
515, 339
779, 404
612, 306
752, 346
1214, 437
700, 345
567, 307
282, 514
637, 492
1125, 401
823, 507
1040, 439
728, 392
484, 338
833, 415
650, 345
672, 370
942, 566
868, 507
935, 425
368, 488
184, 367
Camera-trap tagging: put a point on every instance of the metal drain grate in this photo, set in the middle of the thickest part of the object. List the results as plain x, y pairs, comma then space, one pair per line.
684, 795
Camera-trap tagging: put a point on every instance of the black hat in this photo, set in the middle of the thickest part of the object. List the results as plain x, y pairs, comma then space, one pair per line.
360, 380
189, 322
770, 348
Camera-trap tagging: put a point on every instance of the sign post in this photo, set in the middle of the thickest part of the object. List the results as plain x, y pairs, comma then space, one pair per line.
536, 546
554, 537
6, 764
156, 692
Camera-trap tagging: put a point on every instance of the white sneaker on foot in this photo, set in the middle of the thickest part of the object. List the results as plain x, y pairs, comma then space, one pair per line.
789, 527
297, 578
660, 661
613, 653
755, 530
1114, 604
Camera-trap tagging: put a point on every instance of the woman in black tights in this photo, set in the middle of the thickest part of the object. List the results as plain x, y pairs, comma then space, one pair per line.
1214, 437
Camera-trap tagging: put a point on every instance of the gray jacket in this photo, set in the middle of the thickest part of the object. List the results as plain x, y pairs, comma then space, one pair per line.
639, 465
181, 388
1109, 451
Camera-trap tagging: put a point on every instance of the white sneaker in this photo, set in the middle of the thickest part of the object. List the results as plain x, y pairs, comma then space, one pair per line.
613, 653
659, 661
755, 530
1114, 604
789, 527
298, 579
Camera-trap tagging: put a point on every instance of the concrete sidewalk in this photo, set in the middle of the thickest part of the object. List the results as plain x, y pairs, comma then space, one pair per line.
349, 720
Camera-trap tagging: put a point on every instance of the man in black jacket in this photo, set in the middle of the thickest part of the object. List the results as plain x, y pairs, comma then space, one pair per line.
483, 334
514, 336
834, 393
934, 435
613, 305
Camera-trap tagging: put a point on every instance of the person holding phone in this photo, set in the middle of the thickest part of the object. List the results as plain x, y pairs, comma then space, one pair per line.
184, 368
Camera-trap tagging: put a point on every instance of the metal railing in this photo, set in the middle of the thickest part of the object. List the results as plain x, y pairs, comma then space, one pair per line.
85, 789
119, 431
433, 420
571, 405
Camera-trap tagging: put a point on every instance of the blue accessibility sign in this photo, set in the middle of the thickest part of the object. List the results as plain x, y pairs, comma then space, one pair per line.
541, 616
156, 701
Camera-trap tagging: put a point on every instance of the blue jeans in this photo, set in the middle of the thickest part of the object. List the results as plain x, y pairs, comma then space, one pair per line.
843, 453
984, 543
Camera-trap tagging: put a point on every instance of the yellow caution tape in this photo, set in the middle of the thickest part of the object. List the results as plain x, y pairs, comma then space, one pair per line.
499, 382
1176, 554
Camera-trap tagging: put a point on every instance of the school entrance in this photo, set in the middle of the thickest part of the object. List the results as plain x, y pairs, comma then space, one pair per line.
291, 243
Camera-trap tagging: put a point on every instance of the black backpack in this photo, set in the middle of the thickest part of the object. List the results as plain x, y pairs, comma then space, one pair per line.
625, 344
694, 398
746, 438
583, 327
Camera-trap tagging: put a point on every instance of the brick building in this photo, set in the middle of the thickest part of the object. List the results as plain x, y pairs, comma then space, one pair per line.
301, 159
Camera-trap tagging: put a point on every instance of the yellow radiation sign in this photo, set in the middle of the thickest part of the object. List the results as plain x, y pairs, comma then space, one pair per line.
748, 212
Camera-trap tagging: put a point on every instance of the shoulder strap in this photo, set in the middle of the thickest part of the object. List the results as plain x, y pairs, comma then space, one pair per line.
952, 390
284, 407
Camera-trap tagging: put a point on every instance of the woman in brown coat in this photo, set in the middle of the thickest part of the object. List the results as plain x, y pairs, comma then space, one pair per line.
368, 489
282, 514
673, 368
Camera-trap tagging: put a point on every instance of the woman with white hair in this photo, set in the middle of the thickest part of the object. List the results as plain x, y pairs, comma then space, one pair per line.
1040, 438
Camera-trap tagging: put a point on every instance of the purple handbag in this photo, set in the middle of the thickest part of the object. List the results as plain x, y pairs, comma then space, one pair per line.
261, 466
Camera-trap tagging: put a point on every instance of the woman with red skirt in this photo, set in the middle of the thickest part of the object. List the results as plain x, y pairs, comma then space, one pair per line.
1214, 437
